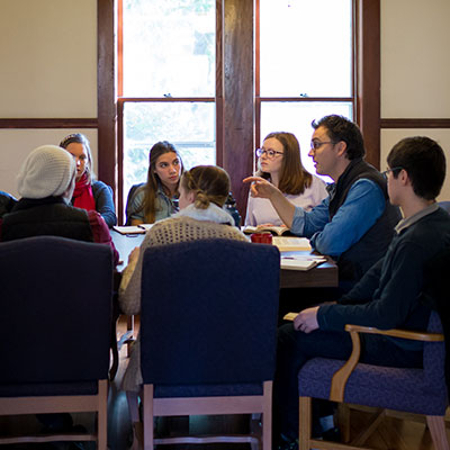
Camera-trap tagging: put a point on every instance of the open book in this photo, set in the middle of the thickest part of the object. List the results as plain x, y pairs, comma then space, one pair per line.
301, 262
133, 229
291, 244
276, 231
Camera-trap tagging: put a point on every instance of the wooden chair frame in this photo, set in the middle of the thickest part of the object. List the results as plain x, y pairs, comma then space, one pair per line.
159, 407
436, 424
97, 403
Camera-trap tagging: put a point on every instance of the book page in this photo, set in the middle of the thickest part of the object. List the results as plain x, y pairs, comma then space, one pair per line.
137, 229
291, 243
146, 226
290, 316
276, 230
301, 262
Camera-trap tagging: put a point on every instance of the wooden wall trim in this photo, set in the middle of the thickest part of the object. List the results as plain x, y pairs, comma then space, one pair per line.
106, 96
415, 123
369, 77
238, 101
48, 123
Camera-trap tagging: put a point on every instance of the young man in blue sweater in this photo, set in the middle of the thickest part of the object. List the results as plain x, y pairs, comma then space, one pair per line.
388, 295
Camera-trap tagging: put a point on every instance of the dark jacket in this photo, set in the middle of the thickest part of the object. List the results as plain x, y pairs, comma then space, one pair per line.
354, 262
47, 216
7, 202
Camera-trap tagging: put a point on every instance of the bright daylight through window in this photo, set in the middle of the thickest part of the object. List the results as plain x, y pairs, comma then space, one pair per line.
168, 54
305, 63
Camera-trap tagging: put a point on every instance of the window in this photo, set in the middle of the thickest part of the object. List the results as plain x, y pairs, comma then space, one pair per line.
167, 82
305, 66
188, 69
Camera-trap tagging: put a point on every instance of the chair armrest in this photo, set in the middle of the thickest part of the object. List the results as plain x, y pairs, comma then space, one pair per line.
394, 332
341, 376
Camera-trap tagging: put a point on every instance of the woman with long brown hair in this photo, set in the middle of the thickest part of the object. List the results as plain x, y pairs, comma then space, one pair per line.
157, 199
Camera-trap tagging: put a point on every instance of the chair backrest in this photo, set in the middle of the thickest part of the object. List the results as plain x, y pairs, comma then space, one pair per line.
209, 312
445, 205
130, 196
55, 302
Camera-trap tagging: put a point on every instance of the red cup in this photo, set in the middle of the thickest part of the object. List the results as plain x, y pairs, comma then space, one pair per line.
261, 238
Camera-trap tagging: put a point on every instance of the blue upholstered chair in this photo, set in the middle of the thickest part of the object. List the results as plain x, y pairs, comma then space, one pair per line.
419, 391
208, 333
445, 205
131, 194
55, 321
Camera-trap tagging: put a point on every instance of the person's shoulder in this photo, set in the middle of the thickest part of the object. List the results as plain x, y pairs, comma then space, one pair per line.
368, 186
98, 186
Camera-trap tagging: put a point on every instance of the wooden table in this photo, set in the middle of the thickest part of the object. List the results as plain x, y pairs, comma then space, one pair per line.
325, 275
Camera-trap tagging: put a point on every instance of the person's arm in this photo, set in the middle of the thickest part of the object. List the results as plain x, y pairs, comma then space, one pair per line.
364, 205
306, 223
264, 189
100, 232
364, 290
392, 305
104, 202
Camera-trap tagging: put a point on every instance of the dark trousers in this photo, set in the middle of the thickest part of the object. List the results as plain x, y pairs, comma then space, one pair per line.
295, 348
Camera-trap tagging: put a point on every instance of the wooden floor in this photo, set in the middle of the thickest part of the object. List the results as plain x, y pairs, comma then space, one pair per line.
392, 434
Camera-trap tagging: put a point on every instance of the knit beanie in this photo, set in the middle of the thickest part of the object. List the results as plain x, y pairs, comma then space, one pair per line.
47, 171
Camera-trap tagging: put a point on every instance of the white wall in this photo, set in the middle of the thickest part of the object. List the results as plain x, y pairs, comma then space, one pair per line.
48, 54
17, 143
415, 70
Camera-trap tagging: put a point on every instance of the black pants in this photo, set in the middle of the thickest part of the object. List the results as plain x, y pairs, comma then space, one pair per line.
295, 348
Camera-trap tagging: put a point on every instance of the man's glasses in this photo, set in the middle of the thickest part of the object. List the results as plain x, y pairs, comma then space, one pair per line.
317, 144
269, 153
394, 170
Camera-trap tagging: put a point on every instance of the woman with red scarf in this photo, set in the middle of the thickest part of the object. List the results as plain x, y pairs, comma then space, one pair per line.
89, 194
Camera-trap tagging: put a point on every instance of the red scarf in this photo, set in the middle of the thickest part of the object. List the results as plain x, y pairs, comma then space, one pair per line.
82, 195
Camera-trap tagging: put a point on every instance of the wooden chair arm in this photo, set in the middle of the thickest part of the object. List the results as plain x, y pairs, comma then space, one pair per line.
340, 378
394, 332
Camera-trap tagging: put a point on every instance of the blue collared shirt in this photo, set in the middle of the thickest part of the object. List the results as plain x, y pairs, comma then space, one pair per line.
363, 206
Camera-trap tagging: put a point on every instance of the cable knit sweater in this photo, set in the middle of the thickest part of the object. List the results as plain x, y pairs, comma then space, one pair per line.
190, 224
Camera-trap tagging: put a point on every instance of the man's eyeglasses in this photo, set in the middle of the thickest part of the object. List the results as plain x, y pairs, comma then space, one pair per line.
269, 153
394, 170
317, 144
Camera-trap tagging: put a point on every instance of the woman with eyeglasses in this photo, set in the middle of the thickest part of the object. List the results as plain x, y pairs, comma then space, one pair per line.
280, 163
